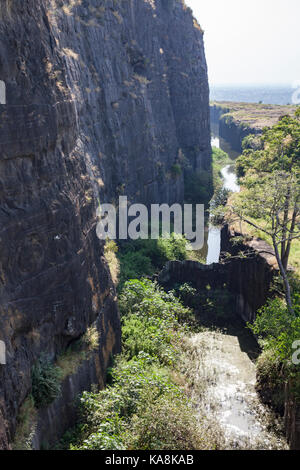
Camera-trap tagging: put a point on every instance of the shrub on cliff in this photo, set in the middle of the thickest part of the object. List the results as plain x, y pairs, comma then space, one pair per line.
45, 382
277, 329
144, 257
198, 187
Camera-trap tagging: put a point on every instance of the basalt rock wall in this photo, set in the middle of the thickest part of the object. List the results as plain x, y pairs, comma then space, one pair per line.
247, 277
103, 98
230, 130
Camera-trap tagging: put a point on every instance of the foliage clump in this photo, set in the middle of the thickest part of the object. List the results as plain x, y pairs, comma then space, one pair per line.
45, 382
143, 407
142, 258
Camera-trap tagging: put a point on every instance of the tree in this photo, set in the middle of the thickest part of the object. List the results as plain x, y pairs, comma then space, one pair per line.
278, 148
270, 197
271, 205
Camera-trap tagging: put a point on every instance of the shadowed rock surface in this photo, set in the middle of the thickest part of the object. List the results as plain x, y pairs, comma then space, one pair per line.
101, 97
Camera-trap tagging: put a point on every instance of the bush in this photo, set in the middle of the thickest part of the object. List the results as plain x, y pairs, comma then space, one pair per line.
198, 187
271, 377
277, 328
151, 336
134, 265
176, 170
45, 382
142, 258
107, 415
167, 423
252, 142
142, 409
147, 300
142, 406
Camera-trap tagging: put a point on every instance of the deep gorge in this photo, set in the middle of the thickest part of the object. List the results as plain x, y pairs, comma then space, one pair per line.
102, 99
109, 98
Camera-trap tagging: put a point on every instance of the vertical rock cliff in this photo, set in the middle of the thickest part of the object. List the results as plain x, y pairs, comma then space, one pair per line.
103, 99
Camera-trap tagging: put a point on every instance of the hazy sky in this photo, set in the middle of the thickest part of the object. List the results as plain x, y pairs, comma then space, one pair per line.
253, 41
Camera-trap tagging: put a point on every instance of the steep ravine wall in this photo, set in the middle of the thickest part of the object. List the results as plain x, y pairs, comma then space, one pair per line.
230, 130
101, 97
241, 276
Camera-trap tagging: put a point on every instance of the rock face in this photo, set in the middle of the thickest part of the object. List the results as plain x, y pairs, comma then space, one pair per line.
230, 130
103, 98
292, 417
240, 275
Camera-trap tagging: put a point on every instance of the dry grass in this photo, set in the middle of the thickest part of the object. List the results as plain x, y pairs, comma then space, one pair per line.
118, 16
254, 115
197, 26
141, 79
70, 53
110, 252
71, 360
250, 232
27, 421
71, 4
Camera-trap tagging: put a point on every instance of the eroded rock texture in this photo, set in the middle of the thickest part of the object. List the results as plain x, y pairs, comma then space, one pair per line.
101, 97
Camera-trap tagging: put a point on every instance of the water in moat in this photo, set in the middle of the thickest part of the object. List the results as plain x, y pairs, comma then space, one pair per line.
227, 365
213, 243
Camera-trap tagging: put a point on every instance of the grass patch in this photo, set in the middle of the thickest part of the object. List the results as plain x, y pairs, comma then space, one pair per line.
146, 257
219, 160
69, 362
110, 253
26, 424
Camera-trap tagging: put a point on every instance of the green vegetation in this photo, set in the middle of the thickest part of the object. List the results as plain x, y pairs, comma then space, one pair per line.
271, 379
45, 382
176, 170
277, 328
268, 204
276, 150
277, 331
144, 406
80, 351
219, 160
26, 424
270, 198
145, 257
198, 187
47, 376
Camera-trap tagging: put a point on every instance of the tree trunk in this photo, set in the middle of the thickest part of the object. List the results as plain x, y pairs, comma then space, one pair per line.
285, 226
283, 273
285, 258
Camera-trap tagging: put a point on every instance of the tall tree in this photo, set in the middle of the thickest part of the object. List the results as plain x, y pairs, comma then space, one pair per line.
269, 200
271, 205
